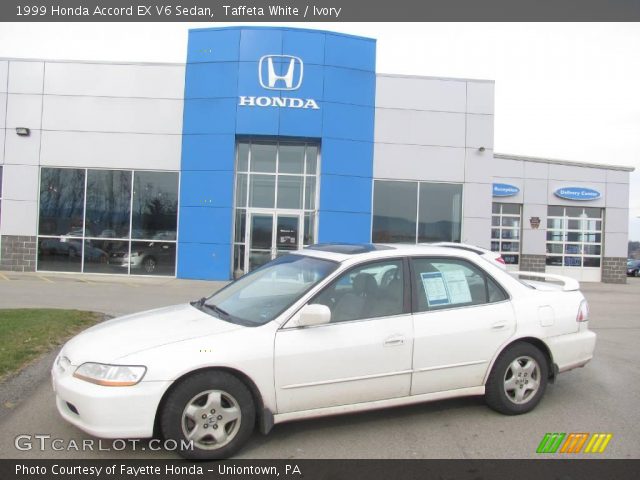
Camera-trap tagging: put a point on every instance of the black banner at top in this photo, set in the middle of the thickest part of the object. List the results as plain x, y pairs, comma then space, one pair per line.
317, 10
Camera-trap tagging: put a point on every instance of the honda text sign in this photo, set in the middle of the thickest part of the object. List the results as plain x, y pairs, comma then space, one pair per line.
283, 73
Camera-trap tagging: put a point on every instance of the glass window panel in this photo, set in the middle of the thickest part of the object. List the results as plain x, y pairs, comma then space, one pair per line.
312, 159
592, 237
554, 261
555, 236
574, 212
309, 229
262, 191
257, 258
495, 208
106, 256
511, 222
155, 205
554, 211
495, 246
495, 233
555, 223
394, 211
241, 225
291, 159
511, 234
243, 157
61, 254
440, 211
510, 246
510, 259
241, 190
238, 261
572, 261
263, 157
592, 225
511, 208
153, 258
592, 212
572, 249
591, 249
554, 248
574, 237
310, 193
290, 192
61, 202
261, 231
108, 203
495, 221
287, 230
591, 262
573, 225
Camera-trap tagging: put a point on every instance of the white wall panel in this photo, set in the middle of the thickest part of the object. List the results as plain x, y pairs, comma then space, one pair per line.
585, 174
419, 128
480, 97
478, 166
19, 217
617, 195
100, 114
533, 241
4, 68
508, 168
417, 162
479, 131
616, 244
3, 109
111, 150
22, 150
476, 231
477, 200
152, 81
2, 135
24, 111
536, 170
420, 93
20, 182
617, 176
25, 77
535, 191
616, 220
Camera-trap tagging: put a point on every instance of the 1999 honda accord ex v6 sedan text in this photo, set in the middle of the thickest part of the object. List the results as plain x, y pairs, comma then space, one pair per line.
330, 329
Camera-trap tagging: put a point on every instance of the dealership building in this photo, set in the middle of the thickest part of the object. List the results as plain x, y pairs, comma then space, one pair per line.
270, 139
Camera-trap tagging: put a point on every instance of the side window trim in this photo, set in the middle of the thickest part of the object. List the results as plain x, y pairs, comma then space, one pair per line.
415, 309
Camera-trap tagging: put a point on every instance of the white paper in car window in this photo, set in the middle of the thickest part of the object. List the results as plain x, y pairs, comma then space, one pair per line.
435, 288
457, 286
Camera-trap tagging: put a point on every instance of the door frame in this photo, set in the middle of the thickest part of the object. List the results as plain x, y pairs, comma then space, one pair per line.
274, 213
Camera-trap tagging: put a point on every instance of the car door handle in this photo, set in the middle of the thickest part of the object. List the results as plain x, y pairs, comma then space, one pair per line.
394, 340
498, 325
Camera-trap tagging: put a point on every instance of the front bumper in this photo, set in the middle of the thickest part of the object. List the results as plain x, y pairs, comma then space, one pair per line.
107, 412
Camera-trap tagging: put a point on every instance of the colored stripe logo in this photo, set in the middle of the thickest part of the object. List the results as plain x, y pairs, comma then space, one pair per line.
574, 443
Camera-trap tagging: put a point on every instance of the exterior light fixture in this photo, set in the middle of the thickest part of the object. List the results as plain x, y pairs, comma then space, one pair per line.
23, 131
481, 149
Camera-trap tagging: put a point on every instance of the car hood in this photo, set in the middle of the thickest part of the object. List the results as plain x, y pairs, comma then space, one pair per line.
116, 338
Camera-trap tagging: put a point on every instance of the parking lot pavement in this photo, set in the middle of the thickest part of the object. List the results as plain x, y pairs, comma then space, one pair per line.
602, 397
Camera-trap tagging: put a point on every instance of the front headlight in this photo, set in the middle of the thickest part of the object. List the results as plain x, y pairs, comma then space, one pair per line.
110, 375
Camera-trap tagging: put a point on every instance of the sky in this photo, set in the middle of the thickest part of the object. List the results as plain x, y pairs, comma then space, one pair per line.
566, 91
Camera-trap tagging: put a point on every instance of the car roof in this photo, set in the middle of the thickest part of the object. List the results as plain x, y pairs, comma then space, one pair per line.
342, 252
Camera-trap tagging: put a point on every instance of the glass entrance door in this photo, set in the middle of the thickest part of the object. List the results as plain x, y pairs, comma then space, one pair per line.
270, 235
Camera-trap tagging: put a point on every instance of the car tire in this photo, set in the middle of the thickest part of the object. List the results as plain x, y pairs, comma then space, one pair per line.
519, 367
149, 264
216, 399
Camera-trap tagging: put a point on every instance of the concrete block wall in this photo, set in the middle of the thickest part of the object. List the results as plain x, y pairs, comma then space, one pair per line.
439, 130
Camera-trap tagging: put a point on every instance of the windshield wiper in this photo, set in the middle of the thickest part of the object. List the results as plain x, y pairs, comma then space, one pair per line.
202, 305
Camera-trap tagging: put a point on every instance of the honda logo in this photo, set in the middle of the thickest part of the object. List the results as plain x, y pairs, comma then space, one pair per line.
280, 72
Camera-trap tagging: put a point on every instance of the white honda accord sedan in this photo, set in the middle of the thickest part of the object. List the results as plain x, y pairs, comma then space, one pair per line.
327, 330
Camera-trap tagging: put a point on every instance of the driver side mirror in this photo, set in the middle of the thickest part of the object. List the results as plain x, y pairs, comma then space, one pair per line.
312, 314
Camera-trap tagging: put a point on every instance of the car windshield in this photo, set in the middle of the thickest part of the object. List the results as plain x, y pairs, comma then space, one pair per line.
262, 295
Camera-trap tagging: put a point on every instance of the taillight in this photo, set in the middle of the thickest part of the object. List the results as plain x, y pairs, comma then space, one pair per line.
583, 312
499, 259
